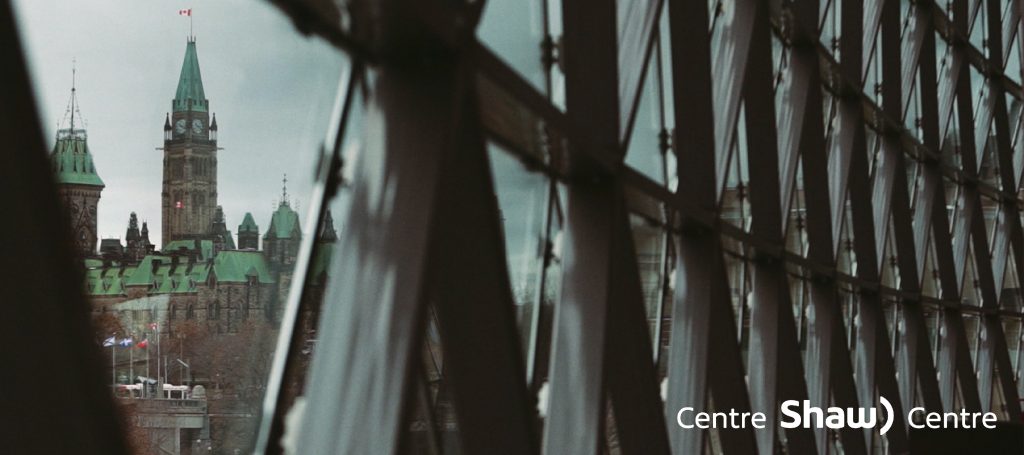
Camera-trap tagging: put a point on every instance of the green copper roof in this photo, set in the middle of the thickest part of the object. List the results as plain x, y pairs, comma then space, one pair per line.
190, 84
284, 224
248, 224
107, 281
166, 278
237, 266
72, 161
205, 247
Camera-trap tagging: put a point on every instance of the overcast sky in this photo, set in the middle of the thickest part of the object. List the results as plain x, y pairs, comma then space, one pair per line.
271, 88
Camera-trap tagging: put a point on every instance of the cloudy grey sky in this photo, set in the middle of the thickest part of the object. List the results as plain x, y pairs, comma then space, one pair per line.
271, 88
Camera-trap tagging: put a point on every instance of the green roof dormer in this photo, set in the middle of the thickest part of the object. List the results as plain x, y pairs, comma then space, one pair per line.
190, 95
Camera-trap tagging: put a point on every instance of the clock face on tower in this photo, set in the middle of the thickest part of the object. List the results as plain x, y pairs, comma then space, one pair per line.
197, 126
179, 126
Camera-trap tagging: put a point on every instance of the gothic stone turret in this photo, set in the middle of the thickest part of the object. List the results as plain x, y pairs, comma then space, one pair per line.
78, 184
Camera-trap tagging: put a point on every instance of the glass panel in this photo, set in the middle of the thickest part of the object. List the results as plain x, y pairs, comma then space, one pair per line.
735, 204
651, 254
515, 31
523, 201
648, 143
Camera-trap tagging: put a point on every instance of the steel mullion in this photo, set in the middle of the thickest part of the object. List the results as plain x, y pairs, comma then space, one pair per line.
882, 185
352, 365
829, 372
983, 270
701, 304
949, 356
1010, 26
870, 330
872, 17
482, 352
773, 341
912, 43
996, 355
947, 95
728, 66
915, 361
577, 411
637, 38
956, 339
791, 117
826, 351
631, 373
840, 145
969, 160
872, 358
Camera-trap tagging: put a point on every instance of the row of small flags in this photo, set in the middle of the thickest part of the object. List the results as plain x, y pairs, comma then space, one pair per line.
124, 342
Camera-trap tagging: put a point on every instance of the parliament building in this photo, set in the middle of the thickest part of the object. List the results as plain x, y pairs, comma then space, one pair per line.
212, 300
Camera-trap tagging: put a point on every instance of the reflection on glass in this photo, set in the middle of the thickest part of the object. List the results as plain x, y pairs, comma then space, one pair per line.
522, 199
649, 240
531, 218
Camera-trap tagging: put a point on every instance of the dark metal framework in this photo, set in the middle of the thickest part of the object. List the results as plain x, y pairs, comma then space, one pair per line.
834, 217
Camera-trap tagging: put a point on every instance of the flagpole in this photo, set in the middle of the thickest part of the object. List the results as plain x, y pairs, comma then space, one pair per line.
131, 363
113, 364
159, 383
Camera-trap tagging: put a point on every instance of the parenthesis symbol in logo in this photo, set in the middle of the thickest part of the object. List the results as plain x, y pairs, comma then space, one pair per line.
889, 415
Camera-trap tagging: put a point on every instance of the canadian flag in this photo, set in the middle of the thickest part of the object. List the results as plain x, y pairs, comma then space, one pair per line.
142, 344
185, 12
152, 326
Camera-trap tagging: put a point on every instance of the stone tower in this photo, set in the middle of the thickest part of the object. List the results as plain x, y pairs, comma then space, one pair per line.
189, 197
78, 184
137, 242
248, 233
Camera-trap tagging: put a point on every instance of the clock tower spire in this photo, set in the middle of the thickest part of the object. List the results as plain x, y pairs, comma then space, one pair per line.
189, 197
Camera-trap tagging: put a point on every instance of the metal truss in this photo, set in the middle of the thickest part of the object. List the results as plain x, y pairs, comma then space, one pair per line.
842, 200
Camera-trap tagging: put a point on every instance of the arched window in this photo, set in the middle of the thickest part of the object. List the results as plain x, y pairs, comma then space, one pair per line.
190, 312
214, 311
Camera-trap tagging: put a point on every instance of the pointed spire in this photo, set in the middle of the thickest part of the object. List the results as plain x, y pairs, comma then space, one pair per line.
248, 224
70, 156
327, 232
190, 95
284, 190
167, 122
73, 71
213, 123
72, 109
133, 228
